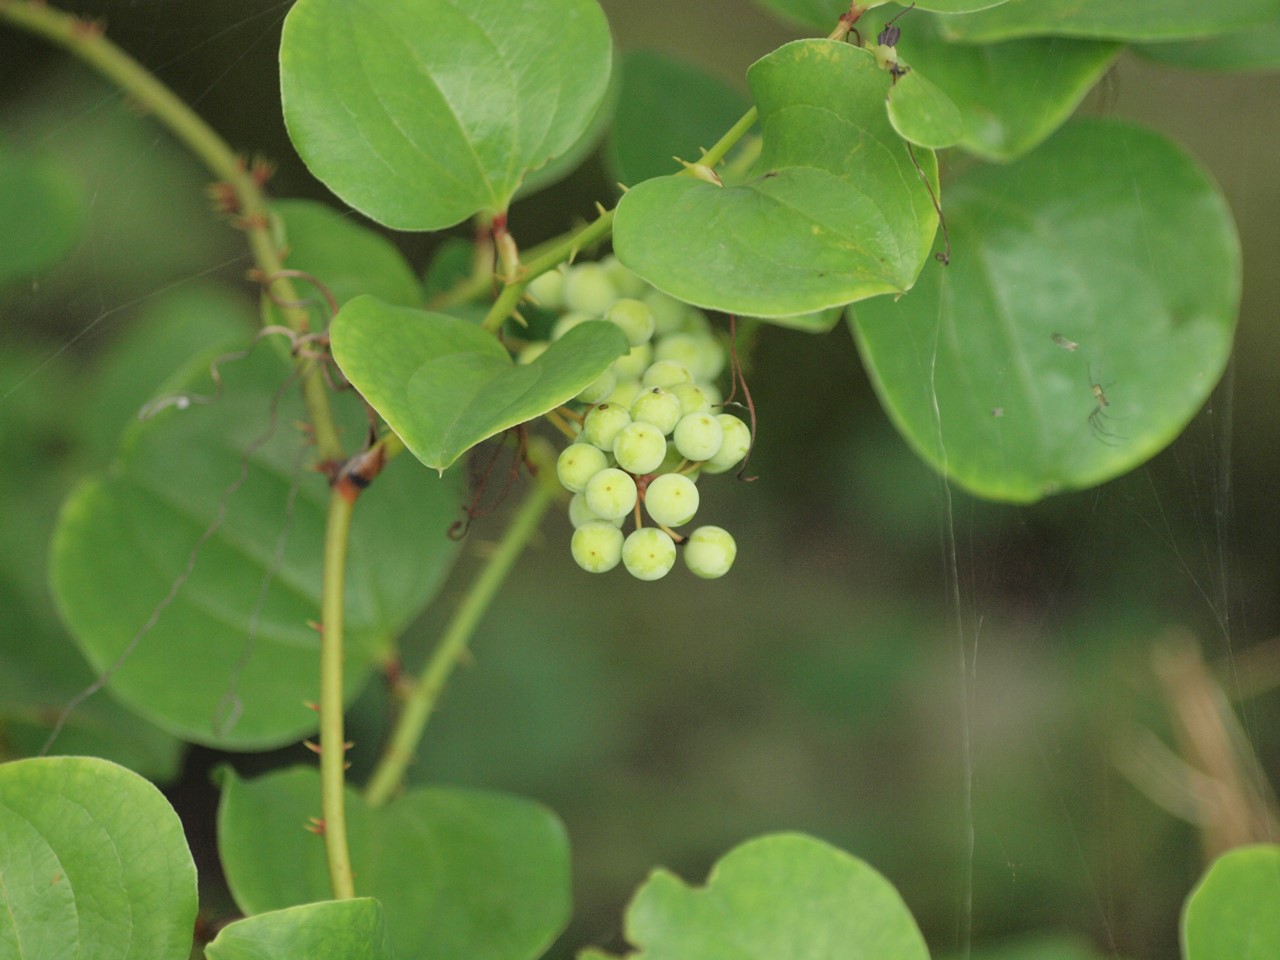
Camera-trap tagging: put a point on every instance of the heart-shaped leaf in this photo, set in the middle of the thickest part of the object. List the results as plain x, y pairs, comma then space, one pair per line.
785, 895
1131, 20
93, 863
837, 211
1231, 914
443, 384
1011, 96
350, 929
1087, 312
459, 873
190, 570
420, 113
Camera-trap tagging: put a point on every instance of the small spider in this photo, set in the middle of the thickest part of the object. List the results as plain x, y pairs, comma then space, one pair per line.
1099, 414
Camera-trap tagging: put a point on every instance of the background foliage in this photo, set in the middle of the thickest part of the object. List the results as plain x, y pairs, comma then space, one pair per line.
892, 666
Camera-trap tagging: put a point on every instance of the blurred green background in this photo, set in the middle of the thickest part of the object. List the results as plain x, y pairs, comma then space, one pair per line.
961, 693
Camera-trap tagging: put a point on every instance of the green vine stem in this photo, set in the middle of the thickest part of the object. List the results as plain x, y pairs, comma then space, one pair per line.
597, 230
85, 40
424, 693
333, 746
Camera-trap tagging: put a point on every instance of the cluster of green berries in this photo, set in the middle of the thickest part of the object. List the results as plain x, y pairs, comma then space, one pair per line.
650, 426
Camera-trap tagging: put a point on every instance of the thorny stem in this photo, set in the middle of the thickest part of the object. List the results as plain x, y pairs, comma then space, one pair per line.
423, 695
333, 747
85, 40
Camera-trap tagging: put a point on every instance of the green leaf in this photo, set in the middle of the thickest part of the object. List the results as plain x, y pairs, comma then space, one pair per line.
922, 113
420, 113
349, 929
225, 656
1255, 49
1104, 260
785, 895
1231, 914
667, 108
344, 256
443, 385
94, 864
1136, 20
173, 328
837, 211
42, 210
40, 671
818, 322
823, 14
1011, 96
459, 873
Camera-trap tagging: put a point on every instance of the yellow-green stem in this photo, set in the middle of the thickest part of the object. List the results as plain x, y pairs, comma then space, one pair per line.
85, 40
333, 748
426, 690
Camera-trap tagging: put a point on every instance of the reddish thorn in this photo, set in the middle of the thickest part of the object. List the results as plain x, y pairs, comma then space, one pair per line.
311, 705
313, 747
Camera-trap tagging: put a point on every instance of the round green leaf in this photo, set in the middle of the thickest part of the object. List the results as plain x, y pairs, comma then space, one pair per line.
1105, 263
420, 113
94, 864
836, 212
42, 208
785, 895
1011, 96
459, 873
1231, 914
922, 113
823, 14
1136, 20
350, 929
1254, 49
667, 108
443, 384
226, 656
344, 256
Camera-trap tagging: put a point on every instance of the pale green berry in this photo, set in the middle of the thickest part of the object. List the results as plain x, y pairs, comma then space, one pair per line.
672, 461
648, 553
671, 499
597, 546
634, 319
587, 288
665, 373
668, 312
709, 552
548, 290
532, 351
600, 387
736, 443
659, 407
580, 513
627, 283
699, 436
611, 493
715, 396
603, 422
693, 399
639, 448
578, 463
635, 363
701, 353
625, 393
